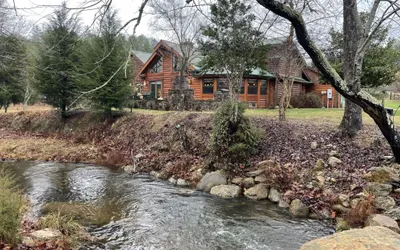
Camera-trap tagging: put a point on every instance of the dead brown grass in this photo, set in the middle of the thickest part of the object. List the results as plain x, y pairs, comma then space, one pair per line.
46, 149
357, 215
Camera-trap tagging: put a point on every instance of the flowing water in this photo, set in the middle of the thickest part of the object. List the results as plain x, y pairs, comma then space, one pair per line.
151, 214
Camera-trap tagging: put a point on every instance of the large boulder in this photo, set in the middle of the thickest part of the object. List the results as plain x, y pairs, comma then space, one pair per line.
211, 180
384, 203
378, 189
226, 191
258, 192
299, 209
357, 239
382, 175
383, 221
274, 195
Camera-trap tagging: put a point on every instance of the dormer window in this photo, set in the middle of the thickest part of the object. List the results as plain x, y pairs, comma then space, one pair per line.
157, 67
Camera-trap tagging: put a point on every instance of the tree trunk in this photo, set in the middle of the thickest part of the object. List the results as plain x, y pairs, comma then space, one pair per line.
352, 120
282, 110
352, 33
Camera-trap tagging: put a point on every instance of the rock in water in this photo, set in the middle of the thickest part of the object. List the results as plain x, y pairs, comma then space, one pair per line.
299, 209
383, 221
382, 175
258, 192
182, 183
226, 191
212, 179
369, 238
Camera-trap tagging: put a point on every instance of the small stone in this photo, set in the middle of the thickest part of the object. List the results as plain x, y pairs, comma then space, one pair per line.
258, 192
378, 189
361, 195
248, 182
334, 153
397, 190
383, 221
226, 191
182, 182
274, 195
333, 180
342, 225
172, 180
314, 145
267, 164
344, 200
255, 173
237, 180
299, 209
320, 165
283, 204
321, 180
340, 209
333, 161
261, 179
130, 169
353, 186
384, 203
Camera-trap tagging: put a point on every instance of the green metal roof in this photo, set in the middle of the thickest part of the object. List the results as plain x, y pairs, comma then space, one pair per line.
256, 72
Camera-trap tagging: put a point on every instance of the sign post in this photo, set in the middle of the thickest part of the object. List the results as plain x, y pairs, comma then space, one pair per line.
329, 95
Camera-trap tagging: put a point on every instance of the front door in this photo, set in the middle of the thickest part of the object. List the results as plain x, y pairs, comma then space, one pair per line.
156, 89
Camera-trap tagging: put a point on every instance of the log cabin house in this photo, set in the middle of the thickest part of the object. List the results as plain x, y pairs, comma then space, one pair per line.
261, 89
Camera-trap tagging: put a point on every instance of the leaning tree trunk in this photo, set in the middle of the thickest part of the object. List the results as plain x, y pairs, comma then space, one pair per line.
352, 30
368, 103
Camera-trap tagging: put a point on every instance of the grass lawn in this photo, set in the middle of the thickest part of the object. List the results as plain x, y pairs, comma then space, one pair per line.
333, 116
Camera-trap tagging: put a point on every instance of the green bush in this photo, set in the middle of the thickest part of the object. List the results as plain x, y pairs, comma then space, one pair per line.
11, 208
308, 100
233, 138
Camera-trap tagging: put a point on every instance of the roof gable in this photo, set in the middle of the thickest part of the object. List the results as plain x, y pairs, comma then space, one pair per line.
141, 55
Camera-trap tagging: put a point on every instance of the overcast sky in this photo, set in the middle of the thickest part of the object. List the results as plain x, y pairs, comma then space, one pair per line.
35, 11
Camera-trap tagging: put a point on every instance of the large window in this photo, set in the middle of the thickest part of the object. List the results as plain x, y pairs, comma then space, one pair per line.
208, 86
156, 89
222, 85
252, 88
157, 67
264, 87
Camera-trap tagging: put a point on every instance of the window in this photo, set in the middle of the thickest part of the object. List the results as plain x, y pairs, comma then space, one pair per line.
175, 63
208, 86
222, 85
242, 88
252, 88
157, 67
264, 87
156, 89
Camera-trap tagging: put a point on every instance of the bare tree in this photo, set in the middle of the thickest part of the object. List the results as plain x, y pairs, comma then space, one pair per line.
182, 25
292, 63
355, 50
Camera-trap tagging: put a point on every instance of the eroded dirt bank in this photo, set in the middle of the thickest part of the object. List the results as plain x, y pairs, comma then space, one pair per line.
297, 146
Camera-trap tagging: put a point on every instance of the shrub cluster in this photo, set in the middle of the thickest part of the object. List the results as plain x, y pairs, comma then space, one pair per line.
308, 100
11, 208
233, 138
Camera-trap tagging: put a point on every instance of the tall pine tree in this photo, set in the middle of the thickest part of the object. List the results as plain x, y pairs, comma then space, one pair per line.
60, 65
109, 57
